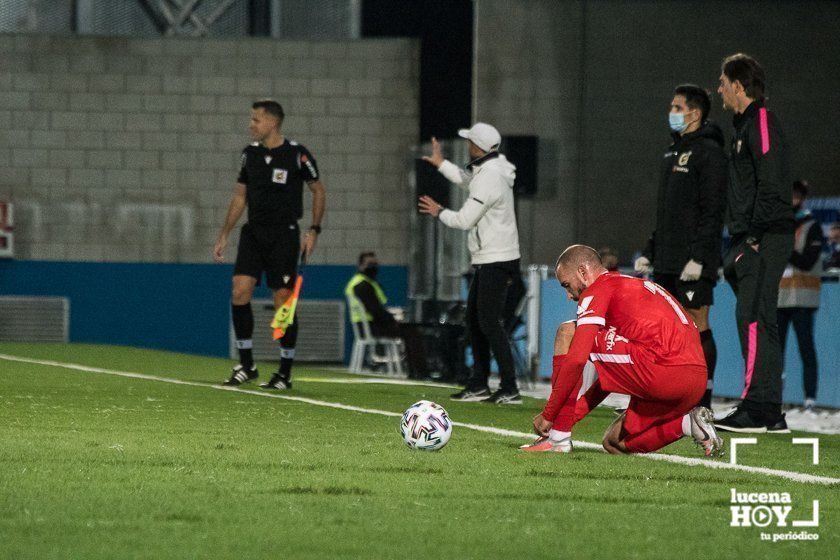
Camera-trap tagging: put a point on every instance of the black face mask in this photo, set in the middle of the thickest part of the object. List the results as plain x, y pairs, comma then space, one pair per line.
370, 271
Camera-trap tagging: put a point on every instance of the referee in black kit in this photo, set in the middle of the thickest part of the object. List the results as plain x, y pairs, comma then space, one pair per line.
270, 184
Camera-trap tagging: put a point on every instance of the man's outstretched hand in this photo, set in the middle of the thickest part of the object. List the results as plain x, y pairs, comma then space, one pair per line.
436, 158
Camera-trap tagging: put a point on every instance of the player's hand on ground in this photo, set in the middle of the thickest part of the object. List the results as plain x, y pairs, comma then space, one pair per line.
219, 249
642, 265
437, 154
307, 246
541, 425
428, 205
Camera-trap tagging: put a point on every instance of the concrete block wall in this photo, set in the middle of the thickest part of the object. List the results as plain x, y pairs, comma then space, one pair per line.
127, 149
594, 79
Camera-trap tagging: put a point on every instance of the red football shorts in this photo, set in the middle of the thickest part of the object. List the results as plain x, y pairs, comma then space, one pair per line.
659, 395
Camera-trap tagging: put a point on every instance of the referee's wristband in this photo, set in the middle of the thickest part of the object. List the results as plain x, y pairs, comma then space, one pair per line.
316, 229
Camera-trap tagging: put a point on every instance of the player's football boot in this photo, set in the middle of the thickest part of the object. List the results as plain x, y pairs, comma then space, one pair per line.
240, 374
704, 433
504, 396
779, 426
471, 395
277, 381
741, 421
544, 444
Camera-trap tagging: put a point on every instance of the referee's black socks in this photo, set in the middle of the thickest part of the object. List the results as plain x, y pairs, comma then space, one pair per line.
287, 349
710, 353
243, 328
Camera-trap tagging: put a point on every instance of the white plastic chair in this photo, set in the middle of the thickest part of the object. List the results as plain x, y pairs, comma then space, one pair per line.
364, 342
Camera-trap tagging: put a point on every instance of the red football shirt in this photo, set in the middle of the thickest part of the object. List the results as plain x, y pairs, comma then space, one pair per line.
660, 330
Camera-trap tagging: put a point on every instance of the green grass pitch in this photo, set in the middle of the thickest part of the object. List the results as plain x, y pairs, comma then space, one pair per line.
102, 466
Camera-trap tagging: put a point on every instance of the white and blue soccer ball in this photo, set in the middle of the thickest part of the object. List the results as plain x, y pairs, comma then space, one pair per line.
426, 425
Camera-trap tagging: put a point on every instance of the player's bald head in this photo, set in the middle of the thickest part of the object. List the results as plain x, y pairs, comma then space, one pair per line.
579, 255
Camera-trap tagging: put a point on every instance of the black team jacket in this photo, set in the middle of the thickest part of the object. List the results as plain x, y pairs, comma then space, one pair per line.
759, 197
690, 203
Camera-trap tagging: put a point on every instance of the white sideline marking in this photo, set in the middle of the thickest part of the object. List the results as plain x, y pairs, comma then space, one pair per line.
790, 475
378, 381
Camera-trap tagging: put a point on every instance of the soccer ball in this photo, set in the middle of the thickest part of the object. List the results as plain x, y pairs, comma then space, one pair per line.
425, 425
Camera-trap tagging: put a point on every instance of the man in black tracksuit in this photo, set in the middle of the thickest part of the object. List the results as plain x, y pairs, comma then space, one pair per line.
760, 221
684, 249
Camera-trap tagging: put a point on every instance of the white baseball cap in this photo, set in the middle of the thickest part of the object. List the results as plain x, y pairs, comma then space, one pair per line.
482, 135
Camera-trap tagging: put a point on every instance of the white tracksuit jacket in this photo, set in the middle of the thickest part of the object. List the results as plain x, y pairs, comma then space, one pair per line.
488, 213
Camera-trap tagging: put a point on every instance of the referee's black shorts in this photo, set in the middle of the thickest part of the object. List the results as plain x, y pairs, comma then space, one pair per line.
691, 295
273, 249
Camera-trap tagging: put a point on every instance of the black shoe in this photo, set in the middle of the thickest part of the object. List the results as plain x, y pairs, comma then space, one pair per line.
471, 395
277, 381
779, 426
240, 374
742, 422
504, 396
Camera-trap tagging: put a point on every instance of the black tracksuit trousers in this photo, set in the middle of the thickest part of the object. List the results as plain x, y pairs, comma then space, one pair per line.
485, 323
803, 324
754, 277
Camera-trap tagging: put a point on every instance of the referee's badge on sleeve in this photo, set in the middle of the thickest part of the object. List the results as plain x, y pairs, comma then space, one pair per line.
279, 176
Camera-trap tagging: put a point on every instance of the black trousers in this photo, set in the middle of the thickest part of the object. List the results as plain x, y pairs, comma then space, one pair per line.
803, 324
754, 277
485, 323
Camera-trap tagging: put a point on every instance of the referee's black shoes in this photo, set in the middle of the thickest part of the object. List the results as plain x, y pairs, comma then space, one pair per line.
277, 381
240, 374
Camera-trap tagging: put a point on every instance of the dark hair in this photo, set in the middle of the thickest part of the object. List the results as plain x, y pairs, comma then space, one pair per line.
745, 69
696, 98
364, 255
271, 107
801, 187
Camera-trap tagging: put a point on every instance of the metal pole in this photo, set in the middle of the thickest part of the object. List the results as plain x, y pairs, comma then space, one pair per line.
536, 275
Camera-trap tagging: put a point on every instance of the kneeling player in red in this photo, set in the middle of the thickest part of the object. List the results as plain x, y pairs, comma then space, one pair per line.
643, 344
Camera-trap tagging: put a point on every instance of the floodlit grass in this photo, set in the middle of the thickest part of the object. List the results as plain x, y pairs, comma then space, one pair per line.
98, 466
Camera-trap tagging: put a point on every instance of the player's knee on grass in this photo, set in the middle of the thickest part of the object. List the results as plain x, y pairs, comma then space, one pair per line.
563, 338
612, 437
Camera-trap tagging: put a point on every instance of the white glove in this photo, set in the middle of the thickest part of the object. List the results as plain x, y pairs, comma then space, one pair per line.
691, 272
642, 265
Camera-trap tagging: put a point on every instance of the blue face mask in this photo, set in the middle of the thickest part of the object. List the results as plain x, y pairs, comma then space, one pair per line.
677, 121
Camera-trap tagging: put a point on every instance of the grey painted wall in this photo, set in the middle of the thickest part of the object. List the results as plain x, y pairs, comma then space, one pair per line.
594, 79
122, 149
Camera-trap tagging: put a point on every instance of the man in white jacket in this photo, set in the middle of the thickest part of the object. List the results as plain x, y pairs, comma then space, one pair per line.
489, 216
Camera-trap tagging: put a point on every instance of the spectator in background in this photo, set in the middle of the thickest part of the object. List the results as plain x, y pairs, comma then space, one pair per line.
799, 290
833, 260
760, 221
364, 287
609, 258
684, 248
